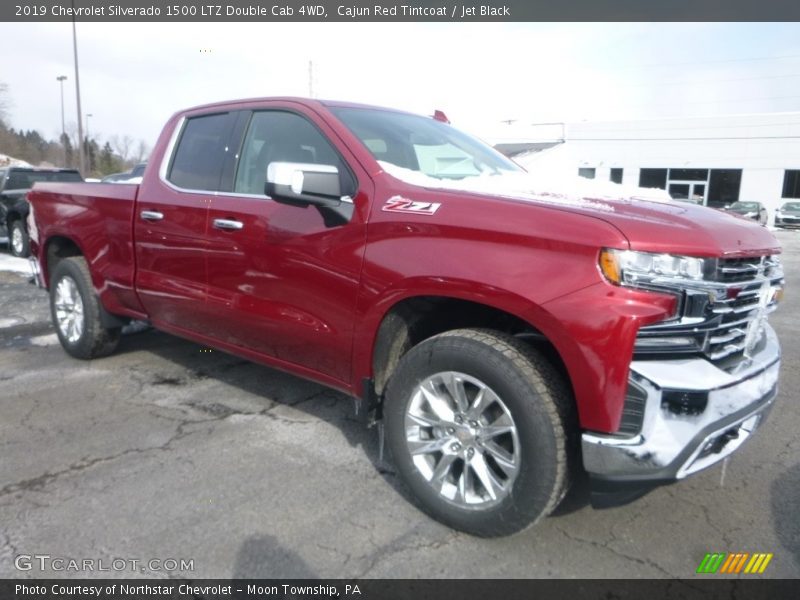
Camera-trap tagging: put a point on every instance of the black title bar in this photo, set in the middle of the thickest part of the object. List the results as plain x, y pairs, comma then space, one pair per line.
401, 589
401, 10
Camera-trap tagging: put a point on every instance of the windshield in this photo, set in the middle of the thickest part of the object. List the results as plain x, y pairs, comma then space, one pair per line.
791, 206
744, 206
422, 144
23, 180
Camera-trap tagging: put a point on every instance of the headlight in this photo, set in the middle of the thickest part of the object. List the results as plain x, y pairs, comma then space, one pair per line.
644, 269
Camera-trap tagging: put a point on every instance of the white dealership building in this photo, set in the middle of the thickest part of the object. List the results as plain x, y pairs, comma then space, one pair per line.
712, 160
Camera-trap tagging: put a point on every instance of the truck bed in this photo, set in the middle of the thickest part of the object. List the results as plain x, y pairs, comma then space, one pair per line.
98, 217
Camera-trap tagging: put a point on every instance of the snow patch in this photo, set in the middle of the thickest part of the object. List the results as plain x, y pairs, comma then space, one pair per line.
14, 264
45, 340
10, 161
570, 191
9, 322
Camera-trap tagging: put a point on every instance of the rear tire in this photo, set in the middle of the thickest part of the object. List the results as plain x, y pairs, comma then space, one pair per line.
18, 240
481, 428
75, 310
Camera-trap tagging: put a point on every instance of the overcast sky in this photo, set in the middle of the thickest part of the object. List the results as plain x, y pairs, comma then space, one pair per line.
133, 76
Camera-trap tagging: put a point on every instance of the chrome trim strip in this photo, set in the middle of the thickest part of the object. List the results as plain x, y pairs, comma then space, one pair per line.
167, 158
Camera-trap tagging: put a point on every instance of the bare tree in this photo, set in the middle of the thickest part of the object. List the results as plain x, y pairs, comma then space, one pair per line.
122, 146
142, 151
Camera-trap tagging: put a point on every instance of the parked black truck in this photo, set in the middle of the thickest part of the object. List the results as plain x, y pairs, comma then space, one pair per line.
15, 183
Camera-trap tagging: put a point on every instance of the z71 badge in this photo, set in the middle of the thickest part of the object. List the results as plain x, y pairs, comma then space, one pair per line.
404, 205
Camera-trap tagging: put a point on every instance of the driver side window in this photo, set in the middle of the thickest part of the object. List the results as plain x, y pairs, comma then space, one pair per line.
279, 136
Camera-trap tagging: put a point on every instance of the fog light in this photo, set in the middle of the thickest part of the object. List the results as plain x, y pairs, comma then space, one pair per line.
664, 343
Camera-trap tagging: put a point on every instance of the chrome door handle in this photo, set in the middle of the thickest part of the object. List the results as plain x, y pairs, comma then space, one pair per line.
228, 224
151, 215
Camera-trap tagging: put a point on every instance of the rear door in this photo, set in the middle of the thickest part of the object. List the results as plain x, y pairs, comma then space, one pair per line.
282, 280
171, 219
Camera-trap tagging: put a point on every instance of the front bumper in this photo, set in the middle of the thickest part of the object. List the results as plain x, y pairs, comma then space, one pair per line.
671, 446
787, 221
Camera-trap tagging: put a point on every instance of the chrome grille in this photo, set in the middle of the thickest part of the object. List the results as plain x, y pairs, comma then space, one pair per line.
730, 270
735, 316
717, 314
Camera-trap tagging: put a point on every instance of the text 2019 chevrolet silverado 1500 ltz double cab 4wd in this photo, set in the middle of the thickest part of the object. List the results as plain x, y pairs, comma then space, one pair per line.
506, 336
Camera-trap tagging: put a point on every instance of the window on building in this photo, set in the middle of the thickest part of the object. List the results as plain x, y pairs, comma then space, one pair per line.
688, 174
588, 173
679, 191
688, 184
653, 178
791, 184
616, 175
723, 187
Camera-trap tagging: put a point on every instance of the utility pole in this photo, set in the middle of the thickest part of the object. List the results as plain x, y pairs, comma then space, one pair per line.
61, 79
81, 155
89, 164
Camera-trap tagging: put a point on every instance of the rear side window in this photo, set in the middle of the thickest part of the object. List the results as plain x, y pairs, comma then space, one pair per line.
202, 149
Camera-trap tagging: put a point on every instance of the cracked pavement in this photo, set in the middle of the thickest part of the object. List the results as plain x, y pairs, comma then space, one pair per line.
164, 451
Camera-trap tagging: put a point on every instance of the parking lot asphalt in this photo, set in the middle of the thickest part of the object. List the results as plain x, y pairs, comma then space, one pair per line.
168, 451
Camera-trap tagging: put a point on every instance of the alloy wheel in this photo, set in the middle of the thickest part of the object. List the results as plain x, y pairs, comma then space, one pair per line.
463, 440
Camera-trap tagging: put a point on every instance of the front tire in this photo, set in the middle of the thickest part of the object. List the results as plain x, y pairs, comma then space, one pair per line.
18, 240
75, 309
480, 427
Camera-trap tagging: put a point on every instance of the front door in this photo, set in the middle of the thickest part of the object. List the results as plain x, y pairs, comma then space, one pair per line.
283, 282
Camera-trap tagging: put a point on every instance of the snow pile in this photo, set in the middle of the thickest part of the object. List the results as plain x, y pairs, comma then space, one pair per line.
572, 191
14, 264
10, 161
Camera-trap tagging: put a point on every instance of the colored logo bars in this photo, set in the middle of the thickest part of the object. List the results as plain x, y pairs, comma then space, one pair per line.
734, 562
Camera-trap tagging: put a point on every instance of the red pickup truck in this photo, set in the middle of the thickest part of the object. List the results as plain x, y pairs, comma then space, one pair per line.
506, 337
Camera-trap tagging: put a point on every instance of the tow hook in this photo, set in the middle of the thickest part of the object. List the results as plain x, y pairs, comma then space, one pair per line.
718, 444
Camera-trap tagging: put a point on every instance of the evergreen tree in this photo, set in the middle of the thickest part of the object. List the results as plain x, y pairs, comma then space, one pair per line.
69, 152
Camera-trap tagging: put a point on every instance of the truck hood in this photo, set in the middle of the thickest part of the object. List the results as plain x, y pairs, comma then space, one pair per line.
648, 218
681, 228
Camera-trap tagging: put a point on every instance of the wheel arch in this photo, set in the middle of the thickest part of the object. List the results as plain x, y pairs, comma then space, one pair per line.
415, 318
55, 249
13, 215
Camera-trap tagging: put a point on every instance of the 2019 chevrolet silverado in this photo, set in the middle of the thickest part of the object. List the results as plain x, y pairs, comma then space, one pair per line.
506, 334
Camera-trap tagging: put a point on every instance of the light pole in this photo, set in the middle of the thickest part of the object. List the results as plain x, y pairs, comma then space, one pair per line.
61, 79
88, 142
81, 156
